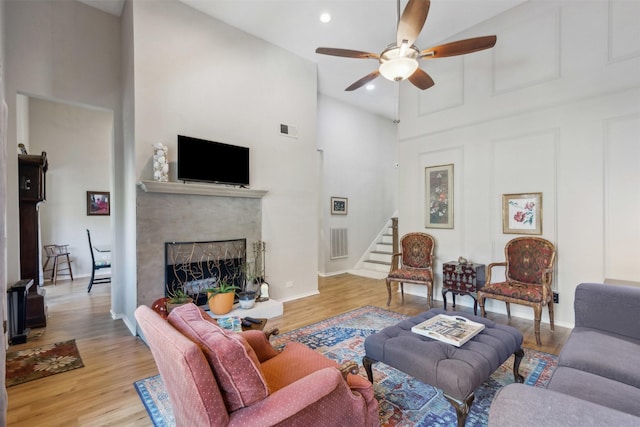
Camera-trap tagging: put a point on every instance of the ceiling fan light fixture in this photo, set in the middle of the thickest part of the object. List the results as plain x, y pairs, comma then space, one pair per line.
398, 63
398, 69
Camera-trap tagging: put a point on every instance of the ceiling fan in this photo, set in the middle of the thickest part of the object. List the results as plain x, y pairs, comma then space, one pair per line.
399, 61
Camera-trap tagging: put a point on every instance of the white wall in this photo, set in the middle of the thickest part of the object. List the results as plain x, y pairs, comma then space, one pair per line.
62, 50
78, 145
197, 76
359, 153
553, 108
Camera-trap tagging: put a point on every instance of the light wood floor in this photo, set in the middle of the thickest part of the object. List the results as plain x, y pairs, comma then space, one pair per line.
102, 393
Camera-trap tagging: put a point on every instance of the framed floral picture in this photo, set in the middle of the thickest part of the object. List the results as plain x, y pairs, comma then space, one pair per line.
439, 196
522, 213
98, 203
339, 205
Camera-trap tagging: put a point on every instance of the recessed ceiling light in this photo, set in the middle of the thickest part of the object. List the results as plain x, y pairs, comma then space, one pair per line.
325, 17
370, 86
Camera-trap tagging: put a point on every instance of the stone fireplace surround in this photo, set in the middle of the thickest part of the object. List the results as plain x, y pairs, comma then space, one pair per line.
176, 212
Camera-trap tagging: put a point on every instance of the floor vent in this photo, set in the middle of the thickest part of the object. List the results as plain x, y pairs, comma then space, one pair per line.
339, 247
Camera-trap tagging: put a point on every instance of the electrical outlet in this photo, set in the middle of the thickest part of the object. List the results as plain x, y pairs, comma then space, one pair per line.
289, 285
555, 297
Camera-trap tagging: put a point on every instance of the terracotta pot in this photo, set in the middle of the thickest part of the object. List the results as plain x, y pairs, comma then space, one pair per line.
221, 303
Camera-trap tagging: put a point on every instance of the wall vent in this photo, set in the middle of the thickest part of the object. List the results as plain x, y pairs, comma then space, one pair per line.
288, 130
339, 246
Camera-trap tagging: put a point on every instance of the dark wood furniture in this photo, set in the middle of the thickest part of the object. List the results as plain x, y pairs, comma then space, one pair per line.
17, 311
32, 191
97, 265
462, 279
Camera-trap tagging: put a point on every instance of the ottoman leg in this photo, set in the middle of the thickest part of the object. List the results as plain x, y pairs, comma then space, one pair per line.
367, 362
461, 407
517, 358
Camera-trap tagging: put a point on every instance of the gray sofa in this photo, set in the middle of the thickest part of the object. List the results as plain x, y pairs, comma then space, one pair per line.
597, 381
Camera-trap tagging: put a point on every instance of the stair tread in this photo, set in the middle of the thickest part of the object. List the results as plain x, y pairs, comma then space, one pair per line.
378, 262
382, 252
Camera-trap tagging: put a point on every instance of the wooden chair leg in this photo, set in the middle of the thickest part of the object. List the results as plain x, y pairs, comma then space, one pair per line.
551, 314
388, 292
55, 271
481, 303
69, 264
537, 315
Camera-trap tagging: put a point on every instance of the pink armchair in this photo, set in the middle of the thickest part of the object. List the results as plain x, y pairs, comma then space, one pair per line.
217, 378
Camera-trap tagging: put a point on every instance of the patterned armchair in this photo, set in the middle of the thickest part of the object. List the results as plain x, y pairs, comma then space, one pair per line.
528, 276
415, 266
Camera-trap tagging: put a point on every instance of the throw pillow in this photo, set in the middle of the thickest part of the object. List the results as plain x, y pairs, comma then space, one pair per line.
232, 360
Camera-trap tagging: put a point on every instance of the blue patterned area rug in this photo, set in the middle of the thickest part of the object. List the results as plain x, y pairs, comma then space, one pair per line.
403, 400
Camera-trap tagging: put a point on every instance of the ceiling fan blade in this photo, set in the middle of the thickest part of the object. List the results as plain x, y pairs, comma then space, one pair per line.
347, 53
363, 81
459, 47
412, 21
421, 79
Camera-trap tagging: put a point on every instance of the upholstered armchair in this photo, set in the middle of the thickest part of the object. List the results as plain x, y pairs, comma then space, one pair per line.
220, 378
415, 264
528, 276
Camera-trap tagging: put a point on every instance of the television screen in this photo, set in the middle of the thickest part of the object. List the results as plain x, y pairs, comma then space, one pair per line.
209, 161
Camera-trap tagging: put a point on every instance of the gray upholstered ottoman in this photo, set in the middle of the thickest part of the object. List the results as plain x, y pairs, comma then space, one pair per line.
456, 371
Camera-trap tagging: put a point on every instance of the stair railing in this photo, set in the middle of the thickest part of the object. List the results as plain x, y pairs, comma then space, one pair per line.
395, 242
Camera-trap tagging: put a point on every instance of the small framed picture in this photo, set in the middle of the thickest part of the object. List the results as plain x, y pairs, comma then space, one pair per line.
339, 205
522, 213
98, 203
439, 196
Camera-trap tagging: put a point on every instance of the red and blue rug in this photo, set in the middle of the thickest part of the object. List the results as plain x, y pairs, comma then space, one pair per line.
403, 400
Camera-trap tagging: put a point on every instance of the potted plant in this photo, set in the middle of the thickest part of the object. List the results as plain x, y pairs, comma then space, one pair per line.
221, 297
177, 298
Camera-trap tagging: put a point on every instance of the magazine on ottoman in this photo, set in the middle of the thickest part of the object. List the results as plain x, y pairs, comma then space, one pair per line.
455, 330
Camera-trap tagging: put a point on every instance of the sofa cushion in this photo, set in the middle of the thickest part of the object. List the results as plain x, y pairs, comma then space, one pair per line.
232, 360
524, 405
596, 389
604, 354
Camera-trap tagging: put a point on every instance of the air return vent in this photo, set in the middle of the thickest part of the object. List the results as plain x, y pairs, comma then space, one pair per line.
339, 247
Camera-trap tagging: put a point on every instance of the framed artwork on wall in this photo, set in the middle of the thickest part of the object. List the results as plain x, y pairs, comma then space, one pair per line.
439, 196
522, 213
339, 205
98, 203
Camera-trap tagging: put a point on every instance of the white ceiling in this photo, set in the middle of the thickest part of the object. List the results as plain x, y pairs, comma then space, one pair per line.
367, 25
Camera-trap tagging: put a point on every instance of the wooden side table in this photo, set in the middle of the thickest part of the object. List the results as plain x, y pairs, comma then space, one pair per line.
462, 279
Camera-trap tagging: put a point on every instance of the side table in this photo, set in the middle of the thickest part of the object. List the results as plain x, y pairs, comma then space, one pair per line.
462, 279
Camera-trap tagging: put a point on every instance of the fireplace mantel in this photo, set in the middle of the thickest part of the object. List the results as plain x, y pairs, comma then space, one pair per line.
199, 189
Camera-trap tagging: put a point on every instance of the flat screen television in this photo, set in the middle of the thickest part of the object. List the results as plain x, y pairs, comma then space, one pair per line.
209, 161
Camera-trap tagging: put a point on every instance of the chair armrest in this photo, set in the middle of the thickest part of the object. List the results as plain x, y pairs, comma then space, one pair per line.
490, 267
611, 308
260, 343
303, 402
523, 405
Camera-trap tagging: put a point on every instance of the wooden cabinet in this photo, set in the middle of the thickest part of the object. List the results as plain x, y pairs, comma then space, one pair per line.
32, 191
462, 279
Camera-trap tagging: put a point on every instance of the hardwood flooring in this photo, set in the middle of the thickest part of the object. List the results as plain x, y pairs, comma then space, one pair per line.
102, 393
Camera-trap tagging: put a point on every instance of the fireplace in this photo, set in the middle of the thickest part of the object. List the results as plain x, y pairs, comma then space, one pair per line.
195, 266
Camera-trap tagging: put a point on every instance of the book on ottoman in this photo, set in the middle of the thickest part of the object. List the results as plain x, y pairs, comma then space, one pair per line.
455, 330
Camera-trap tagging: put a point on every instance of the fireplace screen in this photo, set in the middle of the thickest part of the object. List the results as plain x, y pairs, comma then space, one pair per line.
195, 266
